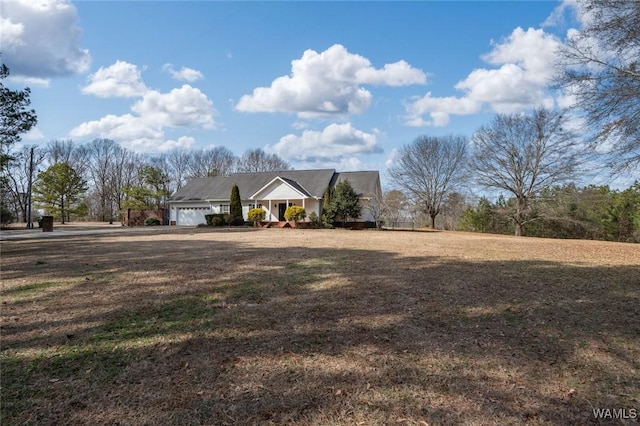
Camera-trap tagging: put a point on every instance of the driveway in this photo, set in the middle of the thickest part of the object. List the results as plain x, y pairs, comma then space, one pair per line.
71, 230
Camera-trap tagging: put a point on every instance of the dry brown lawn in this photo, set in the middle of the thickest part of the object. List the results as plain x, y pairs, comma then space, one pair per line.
318, 327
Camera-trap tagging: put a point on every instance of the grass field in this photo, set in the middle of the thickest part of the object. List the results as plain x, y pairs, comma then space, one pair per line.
318, 327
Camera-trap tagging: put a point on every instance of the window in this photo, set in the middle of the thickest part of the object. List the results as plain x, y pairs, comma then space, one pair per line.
253, 206
224, 208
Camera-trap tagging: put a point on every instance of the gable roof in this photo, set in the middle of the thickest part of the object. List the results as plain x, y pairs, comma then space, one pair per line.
288, 182
366, 184
311, 182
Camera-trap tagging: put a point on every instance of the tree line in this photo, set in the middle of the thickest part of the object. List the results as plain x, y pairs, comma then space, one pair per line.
532, 160
562, 211
100, 179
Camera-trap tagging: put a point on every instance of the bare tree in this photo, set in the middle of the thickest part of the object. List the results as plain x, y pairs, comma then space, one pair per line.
429, 169
177, 161
452, 209
103, 153
123, 173
67, 151
22, 171
375, 207
395, 206
599, 67
524, 154
217, 161
256, 160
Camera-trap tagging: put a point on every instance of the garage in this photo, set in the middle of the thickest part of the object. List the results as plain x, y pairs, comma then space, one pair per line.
192, 216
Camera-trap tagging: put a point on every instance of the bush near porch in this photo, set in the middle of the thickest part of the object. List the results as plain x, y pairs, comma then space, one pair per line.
295, 213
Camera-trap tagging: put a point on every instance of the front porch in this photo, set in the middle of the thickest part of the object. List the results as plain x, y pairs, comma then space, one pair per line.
280, 194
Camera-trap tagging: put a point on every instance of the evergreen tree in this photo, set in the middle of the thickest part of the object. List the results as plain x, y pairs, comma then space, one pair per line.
58, 190
151, 194
235, 204
325, 205
15, 119
344, 203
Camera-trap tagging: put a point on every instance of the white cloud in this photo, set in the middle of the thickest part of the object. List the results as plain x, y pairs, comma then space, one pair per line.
182, 142
156, 145
29, 81
532, 50
391, 158
122, 80
183, 107
35, 134
185, 74
41, 38
327, 84
11, 34
508, 89
557, 16
132, 132
335, 142
394, 75
439, 110
144, 129
525, 61
118, 127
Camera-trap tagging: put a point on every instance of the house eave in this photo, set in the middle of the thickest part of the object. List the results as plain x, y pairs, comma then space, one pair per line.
255, 195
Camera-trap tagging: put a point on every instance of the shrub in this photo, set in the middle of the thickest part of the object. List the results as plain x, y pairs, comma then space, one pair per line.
6, 216
151, 221
295, 213
217, 220
209, 219
314, 220
237, 221
256, 215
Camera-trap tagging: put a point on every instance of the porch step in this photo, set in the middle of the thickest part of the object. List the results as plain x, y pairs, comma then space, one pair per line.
276, 225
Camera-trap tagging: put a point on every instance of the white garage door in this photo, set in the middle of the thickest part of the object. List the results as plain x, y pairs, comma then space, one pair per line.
192, 216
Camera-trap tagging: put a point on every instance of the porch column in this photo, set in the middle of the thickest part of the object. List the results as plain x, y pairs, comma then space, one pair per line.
269, 210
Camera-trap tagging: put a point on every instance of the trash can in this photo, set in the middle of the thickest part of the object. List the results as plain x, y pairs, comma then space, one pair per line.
47, 223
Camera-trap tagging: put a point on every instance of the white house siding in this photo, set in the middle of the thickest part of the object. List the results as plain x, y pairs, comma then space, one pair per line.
193, 214
312, 205
279, 191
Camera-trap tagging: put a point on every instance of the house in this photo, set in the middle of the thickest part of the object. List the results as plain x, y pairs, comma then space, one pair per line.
271, 191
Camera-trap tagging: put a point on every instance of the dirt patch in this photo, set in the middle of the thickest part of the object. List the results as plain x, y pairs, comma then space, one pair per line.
291, 326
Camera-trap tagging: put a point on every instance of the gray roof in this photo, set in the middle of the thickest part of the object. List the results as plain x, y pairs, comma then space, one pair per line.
366, 184
310, 182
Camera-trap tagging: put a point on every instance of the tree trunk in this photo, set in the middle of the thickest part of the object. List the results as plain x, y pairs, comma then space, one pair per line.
518, 229
62, 210
433, 222
521, 205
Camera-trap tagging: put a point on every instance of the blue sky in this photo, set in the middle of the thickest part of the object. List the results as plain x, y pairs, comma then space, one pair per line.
321, 84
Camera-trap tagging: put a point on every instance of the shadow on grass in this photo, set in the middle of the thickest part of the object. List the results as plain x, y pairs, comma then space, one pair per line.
225, 334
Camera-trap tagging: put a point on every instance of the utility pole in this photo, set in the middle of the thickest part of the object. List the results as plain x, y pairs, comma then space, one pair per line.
29, 220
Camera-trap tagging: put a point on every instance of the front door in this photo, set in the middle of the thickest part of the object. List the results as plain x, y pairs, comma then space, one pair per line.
282, 207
